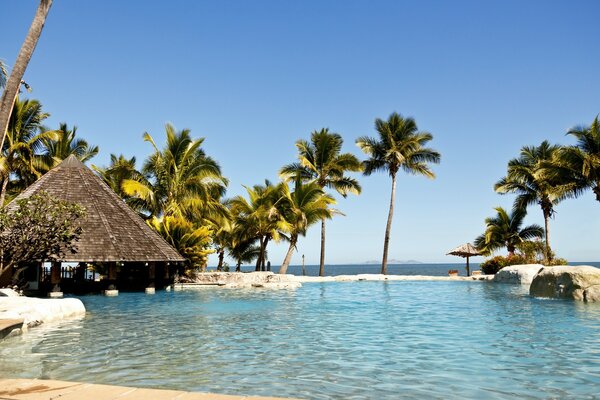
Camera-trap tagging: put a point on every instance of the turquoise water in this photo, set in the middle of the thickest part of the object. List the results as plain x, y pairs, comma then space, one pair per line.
359, 340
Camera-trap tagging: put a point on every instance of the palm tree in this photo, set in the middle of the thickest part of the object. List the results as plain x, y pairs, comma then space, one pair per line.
191, 241
303, 207
118, 171
259, 217
24, 139
583, 159
179, 180
243, 252
66, 144
505, 230
400, 146
321, 160
11, 90
525, 177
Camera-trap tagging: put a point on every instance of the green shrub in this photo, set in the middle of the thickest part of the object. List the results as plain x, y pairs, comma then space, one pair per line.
495, 264
555, 261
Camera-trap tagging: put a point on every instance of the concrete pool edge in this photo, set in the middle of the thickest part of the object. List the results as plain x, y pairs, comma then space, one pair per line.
41, 389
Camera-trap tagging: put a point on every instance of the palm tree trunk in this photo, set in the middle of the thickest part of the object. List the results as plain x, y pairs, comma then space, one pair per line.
16, 74
264, 252
388, 228
260, 255
3, 192
597, 191
221, 256
322, 260
547, 230
238, 267
288, 256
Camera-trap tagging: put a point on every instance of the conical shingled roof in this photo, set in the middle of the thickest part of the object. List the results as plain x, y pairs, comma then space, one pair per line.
112, 231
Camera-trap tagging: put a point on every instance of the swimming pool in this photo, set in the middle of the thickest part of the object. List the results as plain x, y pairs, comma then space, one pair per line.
357, 340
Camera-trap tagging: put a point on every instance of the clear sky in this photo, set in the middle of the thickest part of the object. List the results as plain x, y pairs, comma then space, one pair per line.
484, 77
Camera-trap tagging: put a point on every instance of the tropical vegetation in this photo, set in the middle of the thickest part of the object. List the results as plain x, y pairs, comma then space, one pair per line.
506, 230
38, 228
13, 83
526, 179
322, 161
399, 146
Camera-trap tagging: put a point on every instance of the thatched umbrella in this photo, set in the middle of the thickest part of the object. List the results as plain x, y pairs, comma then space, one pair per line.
466, 250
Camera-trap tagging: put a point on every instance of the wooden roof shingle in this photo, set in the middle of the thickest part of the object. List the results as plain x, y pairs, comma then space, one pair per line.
112, 231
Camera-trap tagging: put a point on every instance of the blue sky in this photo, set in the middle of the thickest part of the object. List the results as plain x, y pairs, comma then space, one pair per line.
485, 78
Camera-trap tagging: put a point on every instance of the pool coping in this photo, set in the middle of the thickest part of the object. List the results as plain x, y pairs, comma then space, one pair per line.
42, 389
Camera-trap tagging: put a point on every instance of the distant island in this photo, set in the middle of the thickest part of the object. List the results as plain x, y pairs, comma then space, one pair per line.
393, 261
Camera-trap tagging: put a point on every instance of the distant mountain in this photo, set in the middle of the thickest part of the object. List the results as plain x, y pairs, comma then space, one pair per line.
393, 261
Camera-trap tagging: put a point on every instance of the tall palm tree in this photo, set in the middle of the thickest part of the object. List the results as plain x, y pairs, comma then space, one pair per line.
258, 218
525, 177
400, 146
66, 144
179, 180
321, 160
583, 159
505, 230
11, 90
303, 207
25, 137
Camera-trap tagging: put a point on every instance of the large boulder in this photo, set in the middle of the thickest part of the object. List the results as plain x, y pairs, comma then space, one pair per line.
567, 282
518, 274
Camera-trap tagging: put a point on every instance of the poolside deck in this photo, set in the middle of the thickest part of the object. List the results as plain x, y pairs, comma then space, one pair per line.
34, 389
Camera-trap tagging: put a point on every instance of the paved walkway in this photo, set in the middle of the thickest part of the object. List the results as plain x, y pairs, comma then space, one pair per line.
34, 389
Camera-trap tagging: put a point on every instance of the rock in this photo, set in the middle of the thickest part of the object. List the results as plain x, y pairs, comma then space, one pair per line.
592, 293
230, 280
518, 274
567, 282
37, 311
7, 292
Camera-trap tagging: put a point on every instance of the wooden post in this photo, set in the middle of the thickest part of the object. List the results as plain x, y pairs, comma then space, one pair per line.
55, 274
468, 270
112, 271
151, 277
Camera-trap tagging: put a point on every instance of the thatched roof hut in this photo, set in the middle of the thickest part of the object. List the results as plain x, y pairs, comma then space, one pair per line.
112, 231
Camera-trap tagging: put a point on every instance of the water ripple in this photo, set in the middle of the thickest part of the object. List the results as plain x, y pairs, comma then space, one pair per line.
379, 340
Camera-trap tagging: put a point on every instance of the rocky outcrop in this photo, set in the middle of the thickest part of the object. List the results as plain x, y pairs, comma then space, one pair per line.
36, 311
518, 274
567, 282
266, 280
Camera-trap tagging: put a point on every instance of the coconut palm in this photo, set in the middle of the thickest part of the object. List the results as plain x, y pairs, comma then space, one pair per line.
582, 160
400, 146
303, 207
258, 218
179, 180
11, 90
191, 241
525, 178
321, 160
66, 144
223, 231
25, 137
243, 252
118, 171
506, 230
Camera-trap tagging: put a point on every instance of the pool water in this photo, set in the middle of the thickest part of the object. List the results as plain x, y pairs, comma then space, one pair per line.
353, 340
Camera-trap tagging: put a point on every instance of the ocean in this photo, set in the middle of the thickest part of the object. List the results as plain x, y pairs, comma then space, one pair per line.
440, 269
